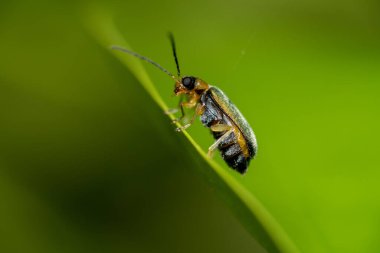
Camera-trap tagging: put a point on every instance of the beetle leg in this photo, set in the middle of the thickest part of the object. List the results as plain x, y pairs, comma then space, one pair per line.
189, 104
220, 127
182, 113
198, 111
212, 148
175, 110
171, 111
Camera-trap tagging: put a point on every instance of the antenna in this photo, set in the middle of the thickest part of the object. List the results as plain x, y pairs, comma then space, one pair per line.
144, 59
171, 37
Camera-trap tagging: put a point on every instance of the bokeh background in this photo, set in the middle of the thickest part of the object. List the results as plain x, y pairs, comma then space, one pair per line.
89, 163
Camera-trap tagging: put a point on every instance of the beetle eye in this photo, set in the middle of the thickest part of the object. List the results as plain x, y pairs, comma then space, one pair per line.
188, 82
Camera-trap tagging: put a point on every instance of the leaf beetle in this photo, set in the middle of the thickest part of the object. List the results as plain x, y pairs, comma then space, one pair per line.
233, 135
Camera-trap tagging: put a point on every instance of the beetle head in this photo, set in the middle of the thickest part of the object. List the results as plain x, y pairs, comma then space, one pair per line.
185, 85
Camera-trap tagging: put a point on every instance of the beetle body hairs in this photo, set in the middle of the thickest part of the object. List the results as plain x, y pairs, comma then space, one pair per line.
232, 133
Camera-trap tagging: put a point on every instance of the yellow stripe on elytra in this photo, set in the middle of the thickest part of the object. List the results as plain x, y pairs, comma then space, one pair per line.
239, 136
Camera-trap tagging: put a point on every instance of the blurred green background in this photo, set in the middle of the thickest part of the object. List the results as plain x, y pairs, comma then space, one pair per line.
89, 163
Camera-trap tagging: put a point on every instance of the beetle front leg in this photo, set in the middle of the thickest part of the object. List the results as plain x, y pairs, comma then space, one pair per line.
189, 104
175, 110
181, 104
198, 111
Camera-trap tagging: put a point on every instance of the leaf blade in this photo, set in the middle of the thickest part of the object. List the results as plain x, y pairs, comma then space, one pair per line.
258, 220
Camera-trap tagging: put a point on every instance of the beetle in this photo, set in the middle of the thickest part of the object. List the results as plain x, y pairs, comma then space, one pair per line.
233, 135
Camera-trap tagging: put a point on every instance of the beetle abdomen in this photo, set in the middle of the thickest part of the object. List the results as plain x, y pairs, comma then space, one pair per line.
231, 152
233, 113
239, 163
234, 157
229, 147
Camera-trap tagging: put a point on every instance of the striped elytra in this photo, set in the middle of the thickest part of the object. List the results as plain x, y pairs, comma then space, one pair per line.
240, 146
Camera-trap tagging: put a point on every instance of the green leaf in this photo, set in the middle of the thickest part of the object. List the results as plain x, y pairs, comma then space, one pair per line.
246, 206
